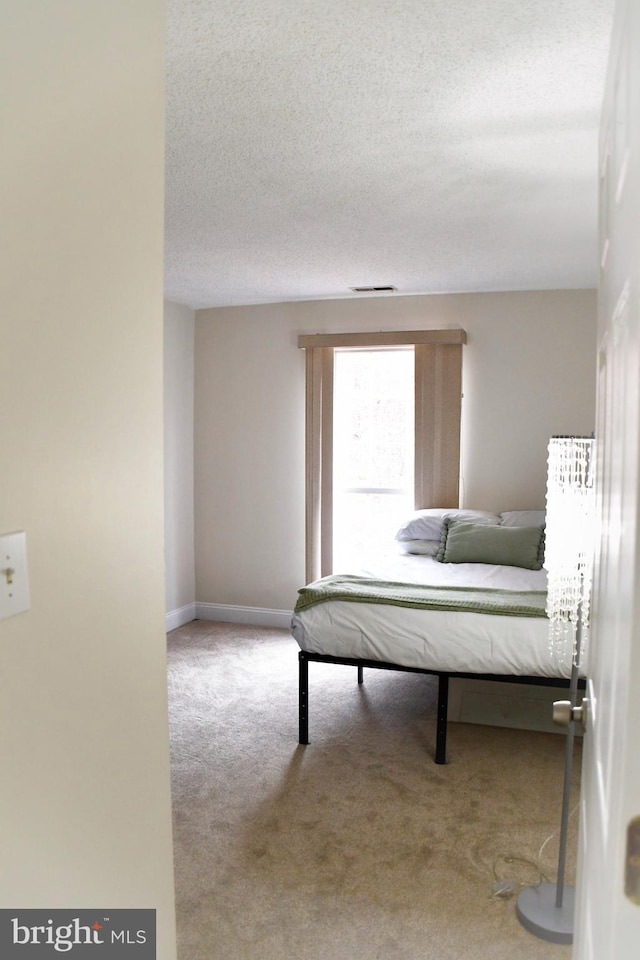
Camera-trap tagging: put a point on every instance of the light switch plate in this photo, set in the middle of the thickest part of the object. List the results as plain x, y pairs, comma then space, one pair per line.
14, 580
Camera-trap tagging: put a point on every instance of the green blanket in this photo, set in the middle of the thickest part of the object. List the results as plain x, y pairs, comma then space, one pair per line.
508, 603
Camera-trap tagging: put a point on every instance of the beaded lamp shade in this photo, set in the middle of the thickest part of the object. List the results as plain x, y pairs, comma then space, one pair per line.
569, 544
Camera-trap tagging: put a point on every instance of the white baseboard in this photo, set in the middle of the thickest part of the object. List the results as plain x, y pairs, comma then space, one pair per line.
256, 616
177, 618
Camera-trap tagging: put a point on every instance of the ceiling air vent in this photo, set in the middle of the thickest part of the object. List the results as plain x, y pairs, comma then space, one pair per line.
382, 289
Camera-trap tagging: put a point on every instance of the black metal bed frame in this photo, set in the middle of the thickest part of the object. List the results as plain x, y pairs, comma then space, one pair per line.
305, 658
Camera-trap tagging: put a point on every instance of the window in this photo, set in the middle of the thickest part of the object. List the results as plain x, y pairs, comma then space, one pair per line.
373, 449
437, 384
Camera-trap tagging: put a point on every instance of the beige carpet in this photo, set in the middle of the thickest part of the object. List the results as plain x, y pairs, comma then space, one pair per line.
357, 845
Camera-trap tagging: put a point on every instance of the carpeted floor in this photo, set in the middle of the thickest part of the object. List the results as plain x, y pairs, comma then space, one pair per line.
357, 845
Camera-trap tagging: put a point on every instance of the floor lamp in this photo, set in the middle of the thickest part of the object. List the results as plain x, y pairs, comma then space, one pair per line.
546, 910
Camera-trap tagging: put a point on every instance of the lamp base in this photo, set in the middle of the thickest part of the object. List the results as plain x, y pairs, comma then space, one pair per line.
537, 912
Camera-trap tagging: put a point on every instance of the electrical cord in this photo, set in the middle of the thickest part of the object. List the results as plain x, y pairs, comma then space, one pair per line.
503, 888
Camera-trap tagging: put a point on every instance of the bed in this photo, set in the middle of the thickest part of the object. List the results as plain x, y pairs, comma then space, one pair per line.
461, 594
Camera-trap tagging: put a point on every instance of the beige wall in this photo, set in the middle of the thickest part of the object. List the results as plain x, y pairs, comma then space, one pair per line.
85, 810
528, 373
180, 590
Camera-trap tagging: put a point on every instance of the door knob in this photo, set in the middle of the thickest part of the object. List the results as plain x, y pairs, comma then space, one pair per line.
564, 713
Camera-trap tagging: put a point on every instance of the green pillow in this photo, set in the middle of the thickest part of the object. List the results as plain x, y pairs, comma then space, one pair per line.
464, 542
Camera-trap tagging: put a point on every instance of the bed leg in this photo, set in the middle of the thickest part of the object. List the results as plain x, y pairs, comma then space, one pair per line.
303, 698
441, 728
360, 674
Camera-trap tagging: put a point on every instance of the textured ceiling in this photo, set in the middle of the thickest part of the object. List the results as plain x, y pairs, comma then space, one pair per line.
435, 145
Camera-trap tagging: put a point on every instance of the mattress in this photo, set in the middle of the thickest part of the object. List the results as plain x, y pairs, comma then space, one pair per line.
450, 641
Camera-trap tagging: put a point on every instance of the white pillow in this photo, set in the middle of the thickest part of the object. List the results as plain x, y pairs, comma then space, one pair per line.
422, 548
427, 524
523, 518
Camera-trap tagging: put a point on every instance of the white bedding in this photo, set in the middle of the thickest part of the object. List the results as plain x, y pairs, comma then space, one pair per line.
450, 641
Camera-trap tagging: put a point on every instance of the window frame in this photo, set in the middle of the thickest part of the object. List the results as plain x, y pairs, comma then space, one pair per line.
438, 410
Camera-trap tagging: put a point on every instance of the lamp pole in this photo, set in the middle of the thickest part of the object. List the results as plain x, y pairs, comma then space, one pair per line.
568, 766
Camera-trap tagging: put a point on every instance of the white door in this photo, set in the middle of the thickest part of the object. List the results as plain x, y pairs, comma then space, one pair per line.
608, 886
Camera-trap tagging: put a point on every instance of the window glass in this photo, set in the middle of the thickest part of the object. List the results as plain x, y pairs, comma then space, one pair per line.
373, 451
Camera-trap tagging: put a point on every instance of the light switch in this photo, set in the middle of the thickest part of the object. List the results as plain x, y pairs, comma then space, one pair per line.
14, 580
